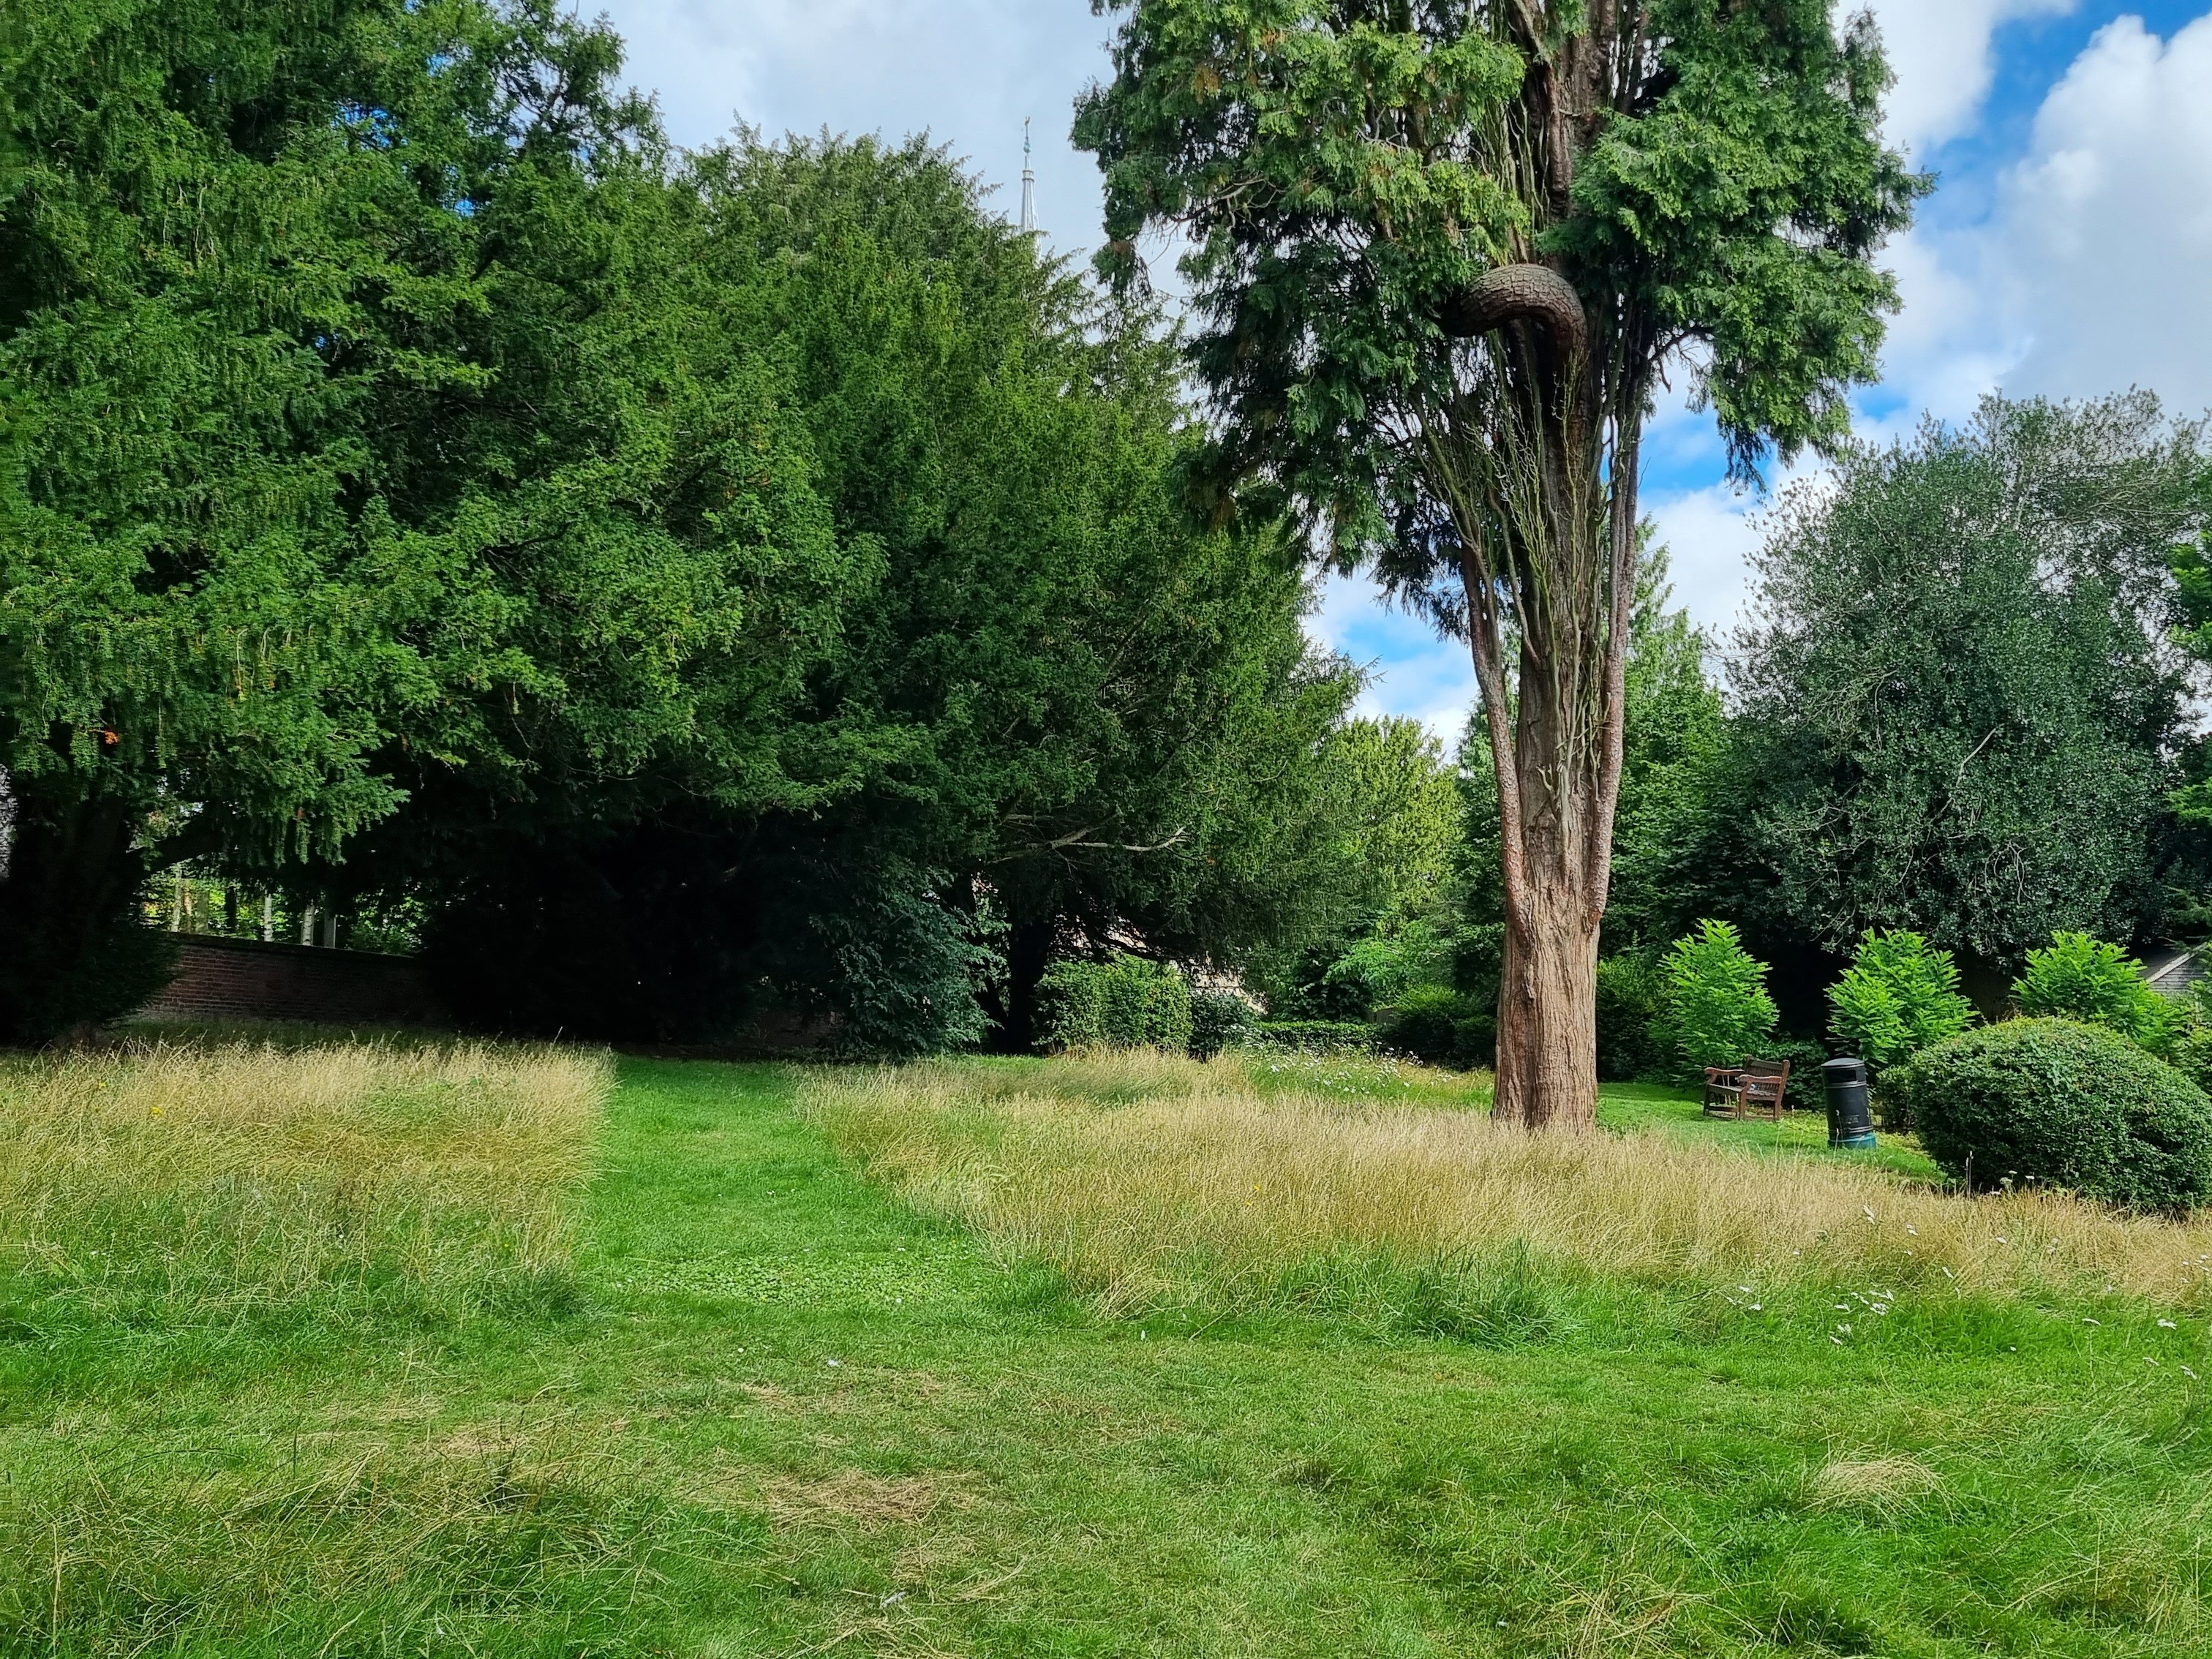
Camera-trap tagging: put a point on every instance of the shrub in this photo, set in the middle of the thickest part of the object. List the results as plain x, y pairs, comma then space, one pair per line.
1630, 1003
1718, 1011
1128, 1002
2190, 1051
2080, 978
1805, 1062
2058, 1101
1441, 1026
1318, 1037
1070, 1007
1146, 1004
1898, 995
1219, 1020
1378, 969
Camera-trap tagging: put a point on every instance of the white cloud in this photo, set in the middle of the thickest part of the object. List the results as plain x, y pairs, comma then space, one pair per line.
968, 71
1710, 535
1941, 52
2104, 230
1417, 673
2087, 276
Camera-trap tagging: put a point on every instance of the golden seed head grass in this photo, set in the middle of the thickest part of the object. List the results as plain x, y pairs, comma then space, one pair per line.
247, 1175
1145, 1178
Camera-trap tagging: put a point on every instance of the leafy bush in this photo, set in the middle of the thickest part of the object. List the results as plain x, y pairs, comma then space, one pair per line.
2189, 1052
1718, 1010
1441, 1026
1630, 1003
2058, 1101
1128, 1002
1379, 969
1318, 1037
1219, 1020
1898, 995
1805, 1060
2077, 977
905, 968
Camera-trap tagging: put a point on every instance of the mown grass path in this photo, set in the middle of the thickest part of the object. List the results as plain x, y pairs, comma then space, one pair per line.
986, 1469
784, 1415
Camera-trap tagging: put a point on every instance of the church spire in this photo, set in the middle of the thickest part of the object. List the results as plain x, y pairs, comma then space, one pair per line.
1029, 184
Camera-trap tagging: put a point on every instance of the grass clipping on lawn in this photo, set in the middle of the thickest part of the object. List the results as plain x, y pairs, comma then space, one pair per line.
1151, 1181
204, 1182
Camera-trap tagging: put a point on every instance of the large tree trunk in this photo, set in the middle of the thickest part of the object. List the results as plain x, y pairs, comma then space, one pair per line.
1548, 1017
1551, 569
1548, 999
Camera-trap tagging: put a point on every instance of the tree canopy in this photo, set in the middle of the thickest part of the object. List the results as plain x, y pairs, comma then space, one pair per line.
1958, 702
700, 581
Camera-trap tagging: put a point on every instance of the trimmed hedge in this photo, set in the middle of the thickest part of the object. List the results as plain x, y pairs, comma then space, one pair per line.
2058, 1102
1319, 1036
1441, 1026
1127, 1003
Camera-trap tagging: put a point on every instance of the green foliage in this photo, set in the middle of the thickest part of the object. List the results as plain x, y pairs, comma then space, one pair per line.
1071, 1007
1127, 1002
1673, 739
1219, 1020
1632, 1001
2059, 1103
368, 429
2014, 791
901, 973
1398, 823
1441, 1026
1718, 1011
1735, 201
1319, 1036
2189, 1047
2080, 978
1073, 711
1898, 995
1379, 970
1806, 1058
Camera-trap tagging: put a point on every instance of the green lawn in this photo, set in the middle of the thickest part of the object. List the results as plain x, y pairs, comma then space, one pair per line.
1679, 1112
778, 1414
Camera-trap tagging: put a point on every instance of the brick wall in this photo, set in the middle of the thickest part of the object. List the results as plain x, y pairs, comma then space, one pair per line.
231, 979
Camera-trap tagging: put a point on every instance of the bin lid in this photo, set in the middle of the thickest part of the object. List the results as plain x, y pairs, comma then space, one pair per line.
1853, 1066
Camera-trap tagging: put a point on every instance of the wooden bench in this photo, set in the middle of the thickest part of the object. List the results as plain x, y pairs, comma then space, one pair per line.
1738, 1091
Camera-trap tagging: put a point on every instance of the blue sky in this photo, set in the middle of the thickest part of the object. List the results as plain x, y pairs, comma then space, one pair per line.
2068, 250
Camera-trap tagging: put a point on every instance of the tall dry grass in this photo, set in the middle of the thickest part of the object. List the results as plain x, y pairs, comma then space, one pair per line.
212, 1180
1149, 1179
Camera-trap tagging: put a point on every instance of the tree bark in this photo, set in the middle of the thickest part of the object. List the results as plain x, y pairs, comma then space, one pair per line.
1546, 1065
1561, 589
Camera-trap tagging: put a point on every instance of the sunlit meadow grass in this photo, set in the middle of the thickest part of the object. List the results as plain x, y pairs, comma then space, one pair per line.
167, 1209
1149, 1180
204, 1182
